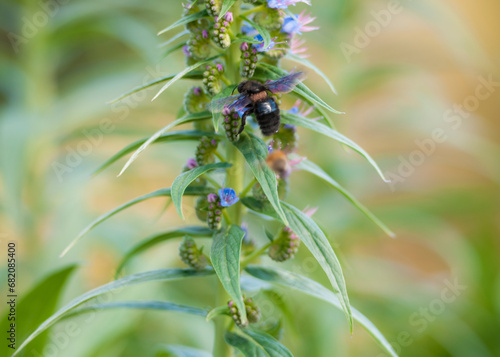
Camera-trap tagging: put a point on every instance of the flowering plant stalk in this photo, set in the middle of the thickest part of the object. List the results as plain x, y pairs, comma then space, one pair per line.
229, 41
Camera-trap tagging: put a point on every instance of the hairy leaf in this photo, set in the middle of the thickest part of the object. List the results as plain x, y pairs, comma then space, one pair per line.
225, 257
311, 167
245, 345
195, 231
307, 63
266, 36
194, 191
310, 287
185, 119
298, 120
174, 38
317, 243
185, 179
226, 5
255, 152
174, 48
186, 19
155, 275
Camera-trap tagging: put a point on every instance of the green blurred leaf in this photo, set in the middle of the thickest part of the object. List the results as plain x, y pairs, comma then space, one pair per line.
216, 115
184, 20
175, 38
312, 288
256, 344
255, 152
266, 71
184, 135
185, 119
195, 231
185, 179
35, 307
225, 257
194, 191
181, 351
266, 36
174, 48
272, 346
317, 243
217, 311
226, 5
298, 120
311, 167
307, 63
155, 275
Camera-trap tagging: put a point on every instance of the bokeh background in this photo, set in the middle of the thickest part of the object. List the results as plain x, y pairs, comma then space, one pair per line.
397, 85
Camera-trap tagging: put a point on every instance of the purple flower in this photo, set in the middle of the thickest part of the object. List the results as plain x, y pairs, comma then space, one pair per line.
300, 108
298, 24
228, 197
260, 46
191, 164
283, 4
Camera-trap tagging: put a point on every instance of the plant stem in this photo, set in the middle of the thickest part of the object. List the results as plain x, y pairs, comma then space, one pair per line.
254, 255
235, 180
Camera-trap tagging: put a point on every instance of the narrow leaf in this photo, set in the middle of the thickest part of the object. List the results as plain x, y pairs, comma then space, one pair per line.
225, 257
266, 36
195, 231
312, 288
174, 38
216, 115
255, 152
174, 48
298, 120
185, 20
245, 345
307, 63
155, 275
181, 351
185, 179
317, 243
311, 167
184, 135
186, 119
195, 191
183, 73
272, 346
256, 343
226, 5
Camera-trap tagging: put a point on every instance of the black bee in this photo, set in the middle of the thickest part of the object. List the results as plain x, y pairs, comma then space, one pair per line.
254, 99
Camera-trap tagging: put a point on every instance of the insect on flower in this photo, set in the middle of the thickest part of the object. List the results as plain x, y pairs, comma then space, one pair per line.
254, 99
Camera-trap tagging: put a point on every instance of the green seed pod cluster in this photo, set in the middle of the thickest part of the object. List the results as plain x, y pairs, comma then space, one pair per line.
285, 246
199, 45
214, 214
232, 123
205, 151
286, 139
195, 100
252, 310
249, 60
191, 254
211, 79
270, 19
201, 208
213, 7
221, 30
192, 8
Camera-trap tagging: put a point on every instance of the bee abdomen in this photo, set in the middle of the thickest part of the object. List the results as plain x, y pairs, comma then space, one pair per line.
270, 123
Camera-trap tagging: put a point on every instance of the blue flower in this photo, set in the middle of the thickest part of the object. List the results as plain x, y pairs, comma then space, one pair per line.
228, 197
283, 4
260, 46
298, 24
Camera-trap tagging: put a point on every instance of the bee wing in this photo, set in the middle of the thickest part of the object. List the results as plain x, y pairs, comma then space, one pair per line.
235, 102
287, 83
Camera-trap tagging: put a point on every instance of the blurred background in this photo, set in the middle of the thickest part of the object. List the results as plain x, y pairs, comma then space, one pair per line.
419, 82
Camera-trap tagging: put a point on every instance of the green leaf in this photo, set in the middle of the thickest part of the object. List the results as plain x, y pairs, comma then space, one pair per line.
183, 73
174, 38
255, 152
34, 307
181, 351
317, 243
307, 63
217, 311
185, 179
174, 48
216, 115
155, 275
144, 305
257, 344
266, 71
298, 120
266, 36
311, 167
186, 19
185, 119
191, 75
242, 38
312, 288
184, 135
195, 231
225, 257
195, 191
226, 5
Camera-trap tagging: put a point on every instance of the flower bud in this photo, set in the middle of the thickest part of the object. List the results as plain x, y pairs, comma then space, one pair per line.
211, 78
232, 123
285, 246
191, 255
248, 61
214, 214
213, 7
205, 151
252, 310
286, 139
201, 208
199, 44
270, 19
220, 31
195, 100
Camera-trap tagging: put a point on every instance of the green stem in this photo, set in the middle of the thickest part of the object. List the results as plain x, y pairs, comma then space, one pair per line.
234, 179
254, 255
248, 188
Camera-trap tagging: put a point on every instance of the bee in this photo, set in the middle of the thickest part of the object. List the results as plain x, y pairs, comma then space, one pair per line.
278, 162
254, 99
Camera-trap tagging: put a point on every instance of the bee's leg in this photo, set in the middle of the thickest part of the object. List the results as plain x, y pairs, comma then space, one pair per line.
244, 119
